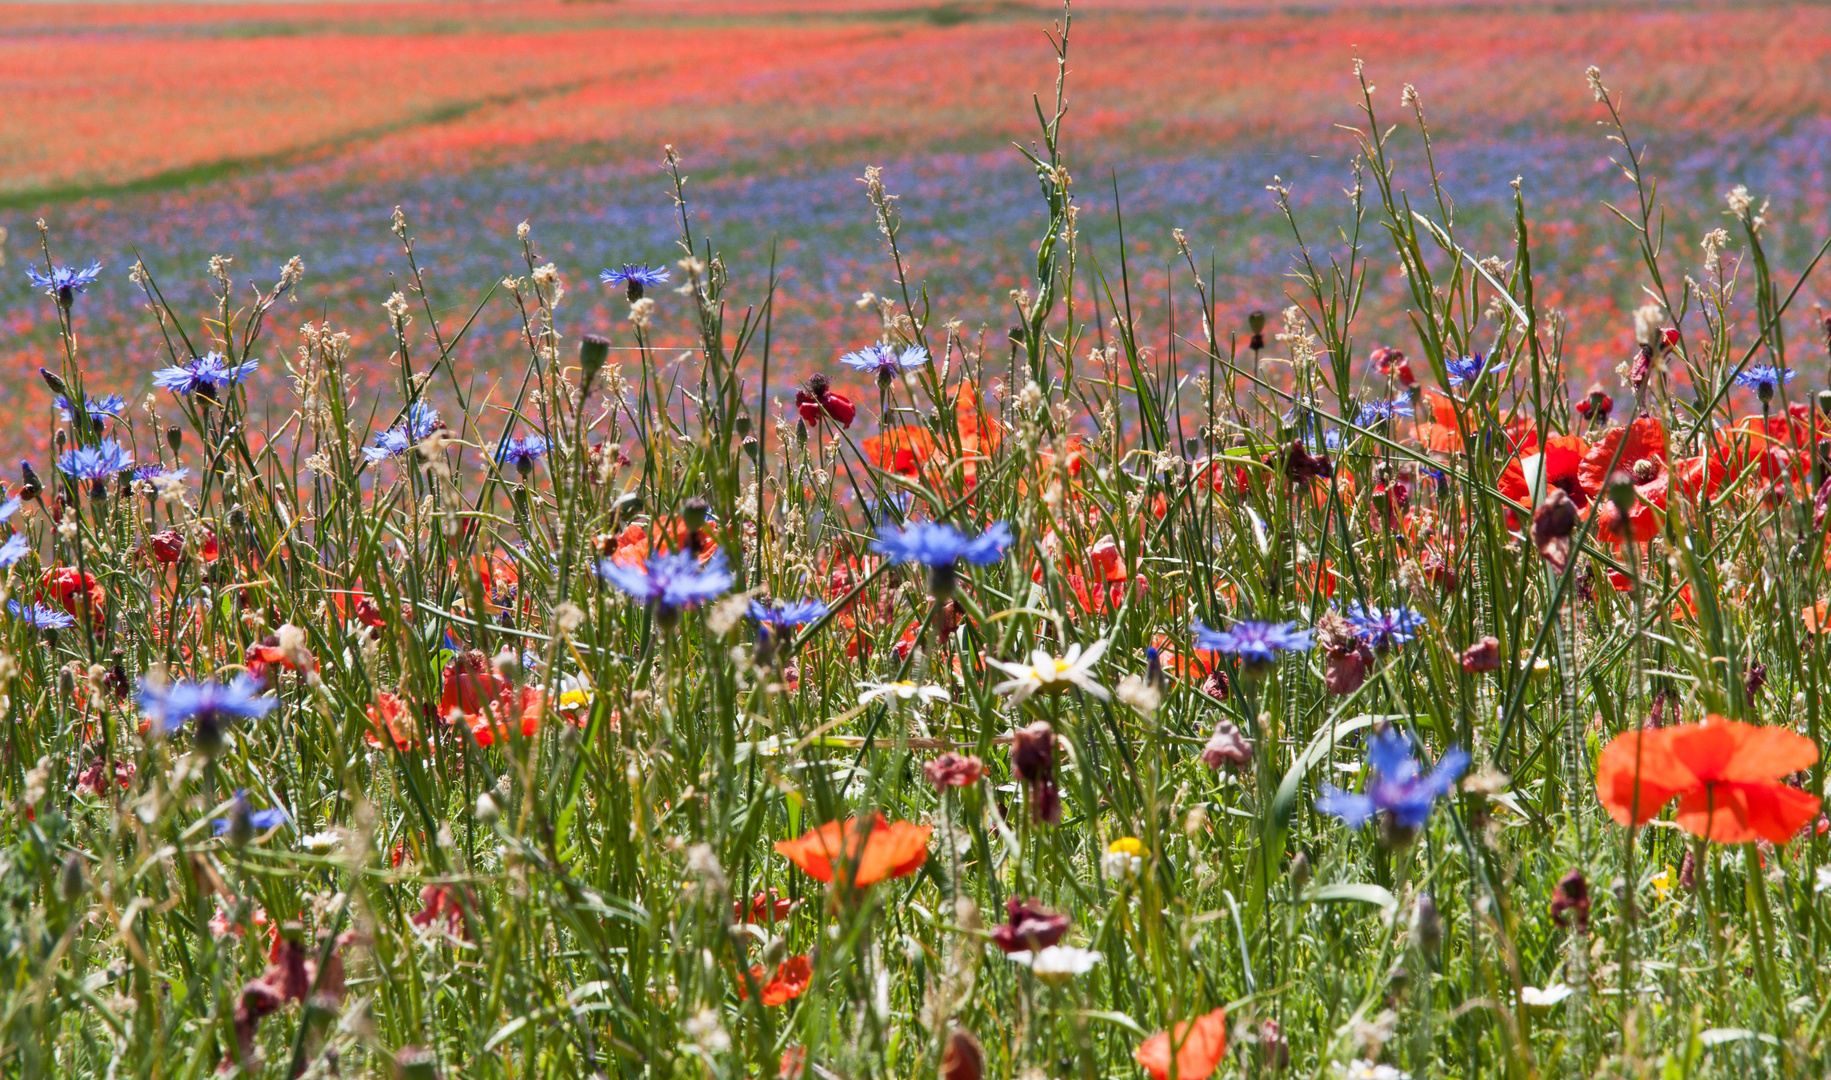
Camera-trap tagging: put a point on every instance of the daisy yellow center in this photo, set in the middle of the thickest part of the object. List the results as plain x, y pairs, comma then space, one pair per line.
1061, 665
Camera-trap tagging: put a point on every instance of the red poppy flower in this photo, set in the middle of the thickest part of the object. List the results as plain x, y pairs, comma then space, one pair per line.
467, 682
511, 708
880, 850
1726, 776
769, 906
1642, 456
389, 713
1440, 434
444, 905
68, 587
1203, 1044
820, 400
1527, 478
903, 451
793, 976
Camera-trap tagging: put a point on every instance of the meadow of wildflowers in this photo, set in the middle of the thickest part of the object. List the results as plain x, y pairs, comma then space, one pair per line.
1399, 678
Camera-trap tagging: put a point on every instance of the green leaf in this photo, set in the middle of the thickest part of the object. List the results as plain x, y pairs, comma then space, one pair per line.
1356, 891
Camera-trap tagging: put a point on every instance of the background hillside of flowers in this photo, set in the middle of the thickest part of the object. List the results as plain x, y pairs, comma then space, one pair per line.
1311, 563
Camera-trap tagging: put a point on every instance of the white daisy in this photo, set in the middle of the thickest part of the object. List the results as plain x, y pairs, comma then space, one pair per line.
1362, 1069
1052, 674
321, 842
926, 693
1057, 963
1551, 995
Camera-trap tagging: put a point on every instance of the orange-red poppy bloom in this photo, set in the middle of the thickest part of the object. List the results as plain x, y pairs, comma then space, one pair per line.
793, 976
1440, 434
1726, 776
68, 587
520, 709
904, 451
1530, 477
1642, 456
1204, 1043
389, 713
878, 848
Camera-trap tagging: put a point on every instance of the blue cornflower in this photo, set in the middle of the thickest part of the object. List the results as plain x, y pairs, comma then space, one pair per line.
1395, 786
422, 420
243, 819
784, 616
1468, 368
935, 545
670, 581
99, 462
111, 405
1257, 644
1374, 411
203, 374
15, 548
522, 450
9, 508
63, 282
634, 277
208, 704
1764, 379
1385, 627
885, 361
154, 471
44, 618
939, 547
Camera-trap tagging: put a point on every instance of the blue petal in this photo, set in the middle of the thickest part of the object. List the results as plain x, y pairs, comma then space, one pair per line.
1354, 810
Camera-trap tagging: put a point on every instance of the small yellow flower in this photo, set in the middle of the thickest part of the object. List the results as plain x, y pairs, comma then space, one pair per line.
1124, 858
1662, 882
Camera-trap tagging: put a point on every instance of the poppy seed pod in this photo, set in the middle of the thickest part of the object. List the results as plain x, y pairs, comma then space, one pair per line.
174, 437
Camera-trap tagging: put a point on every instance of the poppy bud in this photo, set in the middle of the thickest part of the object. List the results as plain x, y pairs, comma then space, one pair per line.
962, 1059
1620, 488
73, 882
1668, 337
241, 823
1300, 871
593, 352
1426, 924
